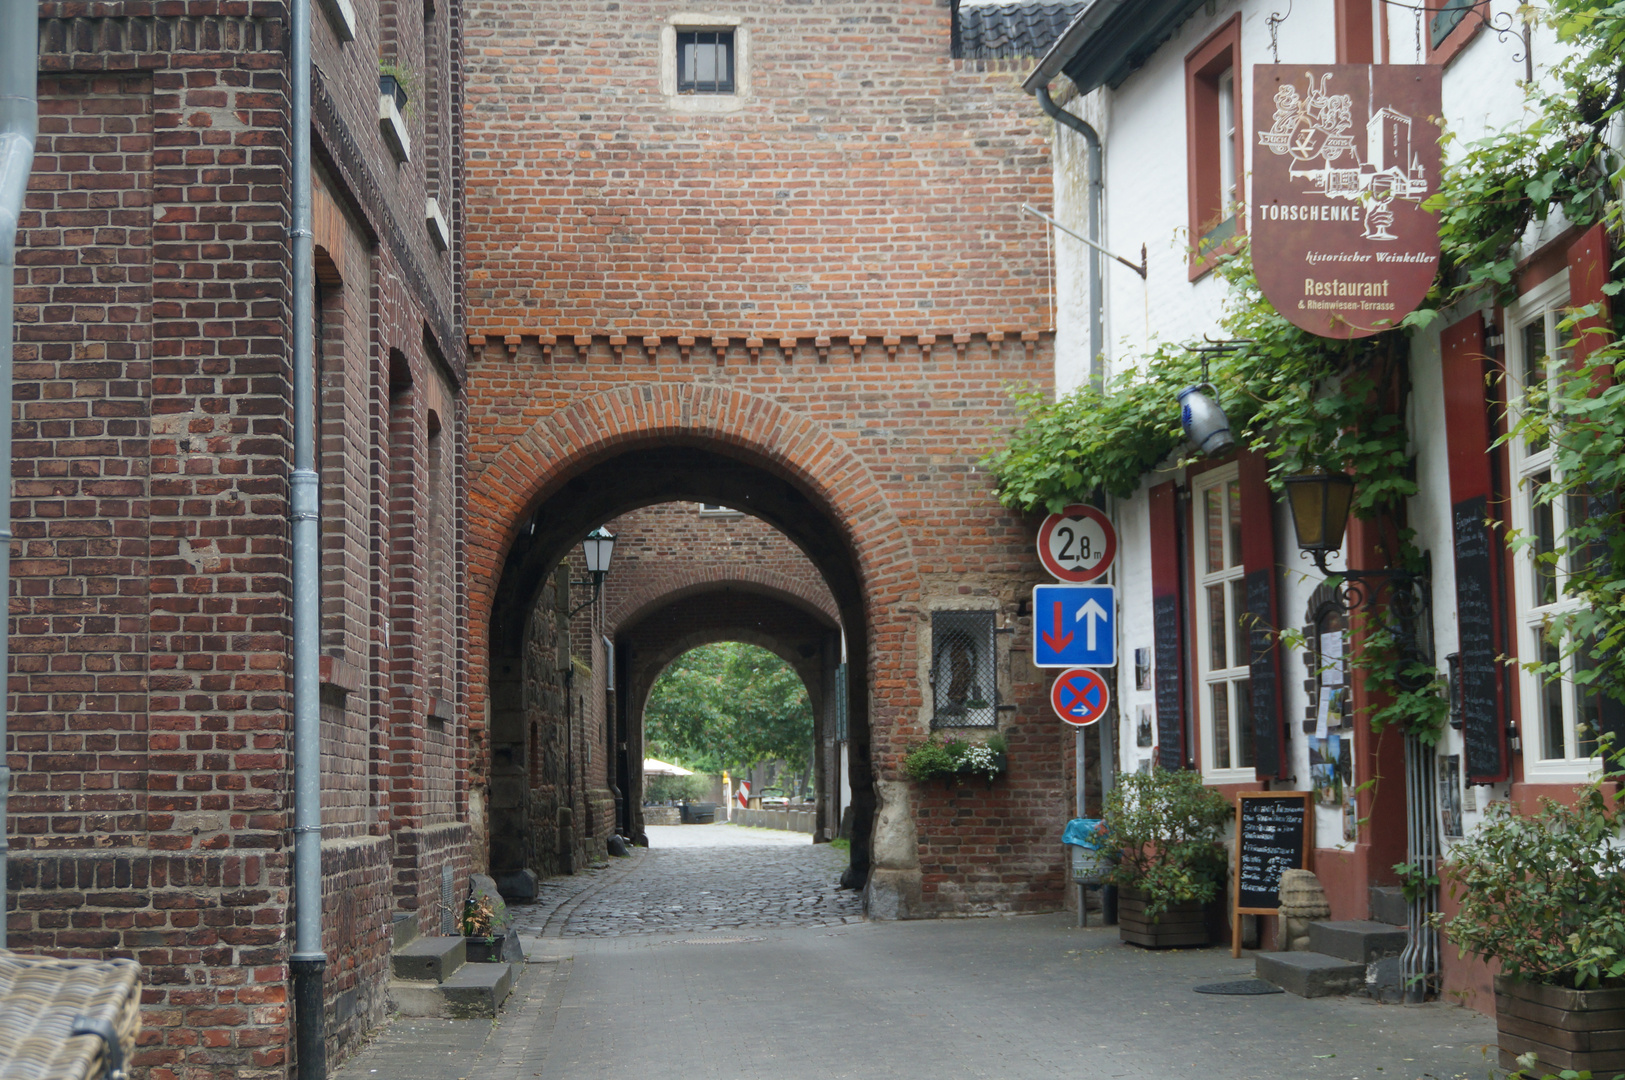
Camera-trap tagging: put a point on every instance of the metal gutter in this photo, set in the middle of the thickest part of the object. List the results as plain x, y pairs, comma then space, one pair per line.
308, 961
1097, 201
19, 128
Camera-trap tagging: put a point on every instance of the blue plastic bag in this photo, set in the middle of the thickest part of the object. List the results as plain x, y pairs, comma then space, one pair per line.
1083, 833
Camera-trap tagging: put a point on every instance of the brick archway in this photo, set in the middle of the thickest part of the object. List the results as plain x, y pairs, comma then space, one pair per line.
658, 592
873, 574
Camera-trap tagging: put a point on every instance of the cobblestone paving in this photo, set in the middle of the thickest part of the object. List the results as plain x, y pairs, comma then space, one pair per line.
739, 882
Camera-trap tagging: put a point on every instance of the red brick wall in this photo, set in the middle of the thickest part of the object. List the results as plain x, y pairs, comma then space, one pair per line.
673, 546
832, 282
149, 722
868, 182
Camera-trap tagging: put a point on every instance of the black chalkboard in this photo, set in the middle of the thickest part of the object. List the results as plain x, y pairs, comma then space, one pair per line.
1264, 685
1170, 707
1271, 836
1482, 730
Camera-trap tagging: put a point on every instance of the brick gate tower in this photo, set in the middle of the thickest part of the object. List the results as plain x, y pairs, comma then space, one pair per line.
771, 256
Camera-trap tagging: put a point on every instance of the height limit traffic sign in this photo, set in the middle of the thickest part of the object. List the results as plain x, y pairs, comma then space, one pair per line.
1077, 545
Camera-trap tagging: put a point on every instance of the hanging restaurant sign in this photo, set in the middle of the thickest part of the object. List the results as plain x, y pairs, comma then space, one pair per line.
1343, 155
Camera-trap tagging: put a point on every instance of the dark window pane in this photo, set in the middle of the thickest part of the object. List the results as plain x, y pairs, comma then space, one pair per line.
1534, 371
1587, 705
1545, 542
1220, 696
1248, 756
1552, 746
705, 61
1217, 628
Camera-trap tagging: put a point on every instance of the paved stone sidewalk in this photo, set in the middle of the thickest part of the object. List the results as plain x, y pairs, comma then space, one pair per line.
743, 984
698, 878
976, 999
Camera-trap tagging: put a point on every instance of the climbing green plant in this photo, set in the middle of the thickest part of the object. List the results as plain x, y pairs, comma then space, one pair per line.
1308, 402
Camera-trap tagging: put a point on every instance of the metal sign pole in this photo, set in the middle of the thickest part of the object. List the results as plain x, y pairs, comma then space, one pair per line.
1081, 806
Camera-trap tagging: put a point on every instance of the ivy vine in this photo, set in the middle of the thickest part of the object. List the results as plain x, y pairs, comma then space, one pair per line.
1308, 402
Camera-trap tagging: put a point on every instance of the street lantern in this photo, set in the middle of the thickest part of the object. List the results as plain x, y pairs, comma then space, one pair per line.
596, 549
1320, 503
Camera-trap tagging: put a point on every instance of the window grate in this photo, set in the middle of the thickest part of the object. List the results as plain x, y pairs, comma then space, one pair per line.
964, 686
705, 61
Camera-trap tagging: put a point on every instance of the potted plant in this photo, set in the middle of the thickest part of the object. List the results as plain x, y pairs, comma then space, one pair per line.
480, 940
951, 759
1169, 830
1541, 895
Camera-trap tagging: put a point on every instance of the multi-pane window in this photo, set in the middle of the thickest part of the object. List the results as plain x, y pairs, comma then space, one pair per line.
1560, 715
1225, 694
964, 686
705, 61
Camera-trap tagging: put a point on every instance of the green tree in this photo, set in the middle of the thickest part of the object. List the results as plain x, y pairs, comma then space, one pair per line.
729, 706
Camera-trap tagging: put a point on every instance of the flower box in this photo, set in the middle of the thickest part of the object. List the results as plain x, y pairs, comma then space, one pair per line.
1182, 925
1582, 1030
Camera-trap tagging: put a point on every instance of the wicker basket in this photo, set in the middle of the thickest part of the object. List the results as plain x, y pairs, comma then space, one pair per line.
41, 997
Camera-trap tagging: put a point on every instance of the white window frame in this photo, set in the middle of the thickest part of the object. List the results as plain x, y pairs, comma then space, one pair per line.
1231, 579
704, 103
1545, 302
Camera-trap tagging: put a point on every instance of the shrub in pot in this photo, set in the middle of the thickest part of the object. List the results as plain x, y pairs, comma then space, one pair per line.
1169, 828
1544, 895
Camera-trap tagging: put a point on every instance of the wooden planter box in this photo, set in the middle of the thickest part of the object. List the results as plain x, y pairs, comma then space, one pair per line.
1181, 925
1566, 1029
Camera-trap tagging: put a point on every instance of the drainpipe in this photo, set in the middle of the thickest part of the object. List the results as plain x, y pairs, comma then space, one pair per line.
308, 961
1097, 196
19, 124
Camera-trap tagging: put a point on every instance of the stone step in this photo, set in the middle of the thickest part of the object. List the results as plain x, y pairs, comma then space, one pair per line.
430, 959
473, 990
1387, 903
403, 929
1310, 974
478, 989
1361, 941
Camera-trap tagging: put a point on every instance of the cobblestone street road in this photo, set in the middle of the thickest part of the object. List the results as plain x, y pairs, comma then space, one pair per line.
697, 878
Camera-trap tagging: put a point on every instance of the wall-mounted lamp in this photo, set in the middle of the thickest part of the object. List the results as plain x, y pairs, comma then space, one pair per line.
1320, 503
1204, 422
596, 549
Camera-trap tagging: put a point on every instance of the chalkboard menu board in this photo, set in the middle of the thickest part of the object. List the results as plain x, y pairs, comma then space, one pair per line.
1271, 836
1475, 619
1170, 707
1266, 696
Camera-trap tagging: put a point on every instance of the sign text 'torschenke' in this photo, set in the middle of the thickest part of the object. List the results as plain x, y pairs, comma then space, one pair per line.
1343, 155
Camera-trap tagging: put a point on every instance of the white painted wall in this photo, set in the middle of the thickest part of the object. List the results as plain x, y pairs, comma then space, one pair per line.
1142, 127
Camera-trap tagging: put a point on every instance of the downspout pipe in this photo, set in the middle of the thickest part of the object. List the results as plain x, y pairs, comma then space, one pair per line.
1097, 199
308, 962
19, 128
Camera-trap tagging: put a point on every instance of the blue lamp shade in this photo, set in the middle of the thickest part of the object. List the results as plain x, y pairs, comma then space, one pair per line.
1204, 422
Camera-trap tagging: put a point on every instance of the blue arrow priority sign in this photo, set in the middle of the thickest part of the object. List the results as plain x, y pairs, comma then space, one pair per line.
1074, 626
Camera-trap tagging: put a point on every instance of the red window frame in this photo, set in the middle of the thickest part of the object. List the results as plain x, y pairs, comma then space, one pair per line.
1204, 185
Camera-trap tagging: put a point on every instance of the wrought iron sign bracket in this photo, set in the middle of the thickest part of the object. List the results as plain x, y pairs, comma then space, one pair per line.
1410, 594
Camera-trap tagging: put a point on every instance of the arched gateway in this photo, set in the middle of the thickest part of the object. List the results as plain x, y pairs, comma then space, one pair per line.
640, 445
